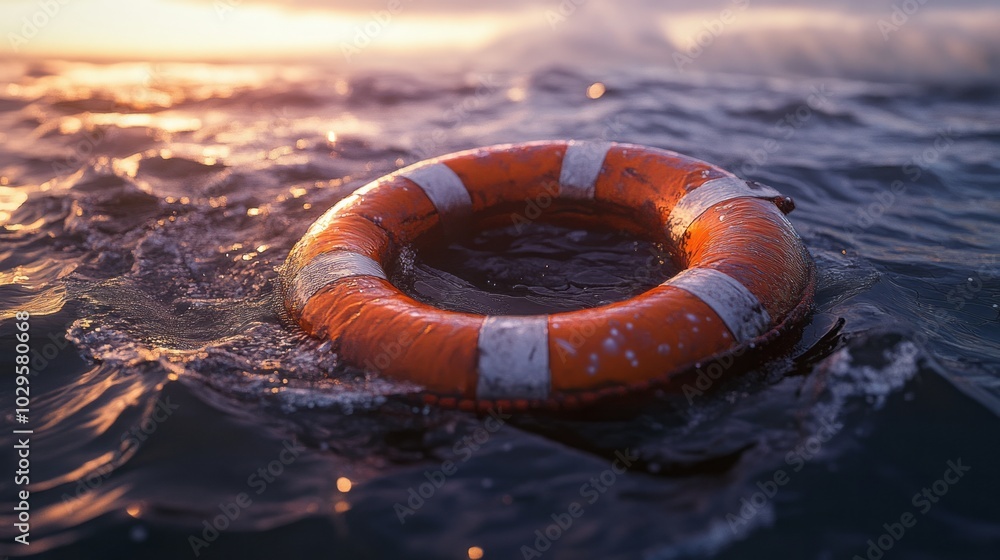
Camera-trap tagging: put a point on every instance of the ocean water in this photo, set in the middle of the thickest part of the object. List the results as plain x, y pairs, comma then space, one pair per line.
145, 206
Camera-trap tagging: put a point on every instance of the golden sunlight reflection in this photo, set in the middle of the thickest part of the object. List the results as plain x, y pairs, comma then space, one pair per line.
100, 464
596, 90
82, 508
46, 303
10, 200
168, 123
36, 276
517, 94
128, 395
344, 484
148, 85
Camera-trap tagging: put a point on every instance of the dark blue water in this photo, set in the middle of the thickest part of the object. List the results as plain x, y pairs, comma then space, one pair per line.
145, 208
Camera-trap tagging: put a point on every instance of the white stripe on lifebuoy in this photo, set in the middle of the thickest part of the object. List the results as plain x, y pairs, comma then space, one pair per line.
443, 186
513, 358
739, 309
327, 268
695, 203
580, 167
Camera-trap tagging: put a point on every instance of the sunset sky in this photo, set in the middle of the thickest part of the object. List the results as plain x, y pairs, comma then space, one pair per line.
781, 37
241, 28
233, 28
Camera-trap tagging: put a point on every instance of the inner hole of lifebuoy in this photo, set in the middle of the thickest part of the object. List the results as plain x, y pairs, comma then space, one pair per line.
519, 263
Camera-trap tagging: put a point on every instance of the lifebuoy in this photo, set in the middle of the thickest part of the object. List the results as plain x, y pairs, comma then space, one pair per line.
746, 276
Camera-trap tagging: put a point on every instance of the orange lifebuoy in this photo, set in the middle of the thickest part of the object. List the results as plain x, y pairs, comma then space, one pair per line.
746, 276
